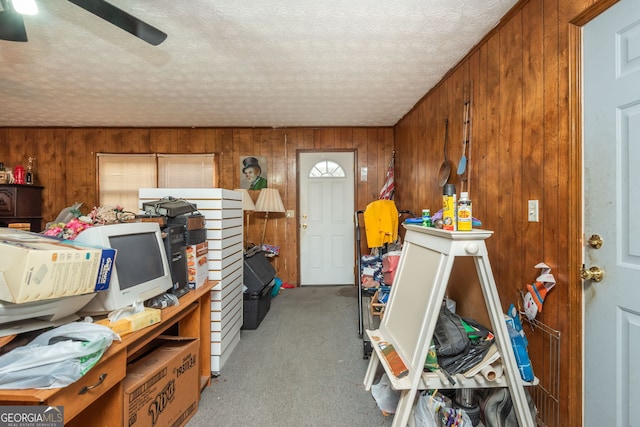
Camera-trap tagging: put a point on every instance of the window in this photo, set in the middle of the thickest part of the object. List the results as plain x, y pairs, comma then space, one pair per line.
326, 169
121, 175
185, 171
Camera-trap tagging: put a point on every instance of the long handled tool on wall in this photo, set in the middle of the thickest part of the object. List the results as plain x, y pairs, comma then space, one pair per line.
445, 168
463, 165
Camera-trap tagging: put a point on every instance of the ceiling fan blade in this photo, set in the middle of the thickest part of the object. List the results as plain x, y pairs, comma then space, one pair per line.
122, 19
12, 26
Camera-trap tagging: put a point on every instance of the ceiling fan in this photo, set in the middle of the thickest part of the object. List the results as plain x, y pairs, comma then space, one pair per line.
12, 23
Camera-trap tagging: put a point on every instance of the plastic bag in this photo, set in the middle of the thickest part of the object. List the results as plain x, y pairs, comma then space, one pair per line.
427, 407
55, 358
386, 397
519, 343
434, 410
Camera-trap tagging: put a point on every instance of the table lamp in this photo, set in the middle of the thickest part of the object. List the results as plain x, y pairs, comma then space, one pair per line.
268, 201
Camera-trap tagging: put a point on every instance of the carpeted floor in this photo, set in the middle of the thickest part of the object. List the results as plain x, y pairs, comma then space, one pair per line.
303, 366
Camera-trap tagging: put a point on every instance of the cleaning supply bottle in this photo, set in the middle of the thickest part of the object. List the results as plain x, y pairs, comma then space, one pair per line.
449, 207
465, 217
426, 218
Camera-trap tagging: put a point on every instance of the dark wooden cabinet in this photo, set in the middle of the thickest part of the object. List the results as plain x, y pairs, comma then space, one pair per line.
21, 204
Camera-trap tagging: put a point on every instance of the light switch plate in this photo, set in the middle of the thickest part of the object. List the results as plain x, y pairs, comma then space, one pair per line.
290, 214
532, 210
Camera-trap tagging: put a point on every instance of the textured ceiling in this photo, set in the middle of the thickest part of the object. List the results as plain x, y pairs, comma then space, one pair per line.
237, 63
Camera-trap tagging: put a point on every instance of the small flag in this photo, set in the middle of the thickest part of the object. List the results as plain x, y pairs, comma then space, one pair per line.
386, 193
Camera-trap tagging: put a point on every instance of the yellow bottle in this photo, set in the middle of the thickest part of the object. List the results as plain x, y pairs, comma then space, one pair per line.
465, 217
449, 207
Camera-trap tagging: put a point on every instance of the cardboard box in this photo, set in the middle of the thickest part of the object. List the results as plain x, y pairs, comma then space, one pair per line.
35, 267
105, 263
162, 388
135, 322
197, 265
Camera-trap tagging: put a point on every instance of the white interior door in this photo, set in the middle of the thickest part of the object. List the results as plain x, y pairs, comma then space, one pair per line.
326, 221
611, 59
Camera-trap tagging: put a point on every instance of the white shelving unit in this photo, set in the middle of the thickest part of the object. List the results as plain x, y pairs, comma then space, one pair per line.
222, 210
411, 314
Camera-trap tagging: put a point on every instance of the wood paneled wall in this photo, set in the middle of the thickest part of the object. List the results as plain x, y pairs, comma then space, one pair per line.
523, 147
66, 159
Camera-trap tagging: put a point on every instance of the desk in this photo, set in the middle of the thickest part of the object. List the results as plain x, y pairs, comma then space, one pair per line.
96, 399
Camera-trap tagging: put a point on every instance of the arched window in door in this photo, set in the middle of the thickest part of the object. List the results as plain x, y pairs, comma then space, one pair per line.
326, 169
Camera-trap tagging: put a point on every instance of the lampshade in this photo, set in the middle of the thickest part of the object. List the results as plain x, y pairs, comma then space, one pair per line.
269, 201
25, 7
247, 203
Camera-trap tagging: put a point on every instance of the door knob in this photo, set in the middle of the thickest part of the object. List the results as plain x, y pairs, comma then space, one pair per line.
304, 225
595, 241
594, 273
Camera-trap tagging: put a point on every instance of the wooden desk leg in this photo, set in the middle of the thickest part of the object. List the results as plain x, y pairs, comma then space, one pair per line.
198, 325
205, 340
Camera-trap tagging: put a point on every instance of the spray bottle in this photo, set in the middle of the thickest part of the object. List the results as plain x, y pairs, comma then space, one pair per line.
465, 217
449, 207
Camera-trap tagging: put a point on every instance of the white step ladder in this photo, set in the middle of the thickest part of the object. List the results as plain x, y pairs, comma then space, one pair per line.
411, 314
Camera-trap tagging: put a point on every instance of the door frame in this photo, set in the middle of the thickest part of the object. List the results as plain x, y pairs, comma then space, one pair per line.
574, 388
297, 216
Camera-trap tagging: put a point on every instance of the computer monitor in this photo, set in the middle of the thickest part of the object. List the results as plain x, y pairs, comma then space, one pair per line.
141, 267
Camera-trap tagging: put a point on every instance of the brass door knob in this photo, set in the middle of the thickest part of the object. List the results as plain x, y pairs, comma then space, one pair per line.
304, 225
594, 273
595, 241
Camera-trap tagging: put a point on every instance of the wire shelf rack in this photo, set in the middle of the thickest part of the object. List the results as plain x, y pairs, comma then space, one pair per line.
547, 367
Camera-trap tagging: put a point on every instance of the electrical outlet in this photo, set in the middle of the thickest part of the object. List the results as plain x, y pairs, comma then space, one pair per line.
532, 211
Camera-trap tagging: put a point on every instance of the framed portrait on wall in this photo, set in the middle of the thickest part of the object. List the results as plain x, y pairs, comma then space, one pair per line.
253, 172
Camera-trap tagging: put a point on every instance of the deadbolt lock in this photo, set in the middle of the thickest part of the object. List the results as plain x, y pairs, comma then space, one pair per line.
594, 273
595, 241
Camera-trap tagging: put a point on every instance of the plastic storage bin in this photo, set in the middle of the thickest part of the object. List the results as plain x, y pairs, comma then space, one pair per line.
258, 271
390, 262
255, 306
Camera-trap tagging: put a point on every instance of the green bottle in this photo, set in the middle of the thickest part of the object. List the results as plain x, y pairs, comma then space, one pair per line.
426, 218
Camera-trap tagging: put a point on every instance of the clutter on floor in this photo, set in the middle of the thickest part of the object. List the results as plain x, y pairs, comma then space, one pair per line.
377, 269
